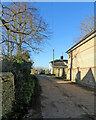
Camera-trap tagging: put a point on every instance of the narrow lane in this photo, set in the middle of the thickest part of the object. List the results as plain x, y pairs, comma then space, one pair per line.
61, 99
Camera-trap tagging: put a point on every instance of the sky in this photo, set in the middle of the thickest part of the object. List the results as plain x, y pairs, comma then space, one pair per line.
64, 20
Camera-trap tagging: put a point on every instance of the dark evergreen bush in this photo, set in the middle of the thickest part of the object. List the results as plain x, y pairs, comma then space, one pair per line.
24, 82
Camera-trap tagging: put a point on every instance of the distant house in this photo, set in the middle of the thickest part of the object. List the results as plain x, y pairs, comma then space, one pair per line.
82, 61
59, 68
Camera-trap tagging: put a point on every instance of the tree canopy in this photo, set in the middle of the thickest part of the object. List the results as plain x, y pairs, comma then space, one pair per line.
23, 28
86, 26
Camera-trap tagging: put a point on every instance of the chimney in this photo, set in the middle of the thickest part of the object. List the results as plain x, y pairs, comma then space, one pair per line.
61, 57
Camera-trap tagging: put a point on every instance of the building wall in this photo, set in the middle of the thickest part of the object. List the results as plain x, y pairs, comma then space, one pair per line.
81, 63
56, 71
95, 60
50, 68
60, 71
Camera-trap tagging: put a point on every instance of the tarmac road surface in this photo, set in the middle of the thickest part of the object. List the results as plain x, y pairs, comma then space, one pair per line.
63, 99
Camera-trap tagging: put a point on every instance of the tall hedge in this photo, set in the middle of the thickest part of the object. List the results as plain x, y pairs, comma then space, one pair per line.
24, 83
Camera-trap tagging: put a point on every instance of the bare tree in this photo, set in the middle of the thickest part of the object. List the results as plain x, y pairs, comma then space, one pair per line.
86, 26
7, 42
24, 26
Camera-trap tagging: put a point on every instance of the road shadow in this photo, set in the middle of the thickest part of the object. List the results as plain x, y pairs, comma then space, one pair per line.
34, 112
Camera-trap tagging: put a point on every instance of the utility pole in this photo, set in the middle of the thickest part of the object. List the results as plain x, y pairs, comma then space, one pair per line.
53, 61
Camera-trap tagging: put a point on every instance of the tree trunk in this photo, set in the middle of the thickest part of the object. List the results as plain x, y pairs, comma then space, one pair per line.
8, 45
19, 51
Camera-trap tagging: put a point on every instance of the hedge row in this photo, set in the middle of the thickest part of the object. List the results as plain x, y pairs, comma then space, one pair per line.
24, 85
7, 91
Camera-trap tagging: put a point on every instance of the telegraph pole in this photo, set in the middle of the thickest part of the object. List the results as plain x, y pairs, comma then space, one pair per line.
53, 61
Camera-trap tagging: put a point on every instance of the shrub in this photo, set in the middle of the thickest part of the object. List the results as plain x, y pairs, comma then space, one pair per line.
24, 83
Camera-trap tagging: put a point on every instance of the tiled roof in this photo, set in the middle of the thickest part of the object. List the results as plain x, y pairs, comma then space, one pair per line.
60, 62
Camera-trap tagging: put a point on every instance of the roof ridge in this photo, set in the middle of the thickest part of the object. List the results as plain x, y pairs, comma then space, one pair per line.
86, 36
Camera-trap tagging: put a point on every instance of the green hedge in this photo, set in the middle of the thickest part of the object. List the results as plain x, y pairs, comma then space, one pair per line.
8, 96
24, 85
